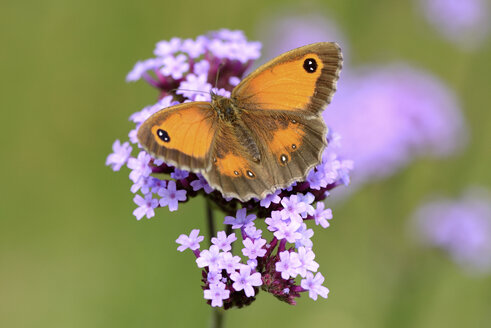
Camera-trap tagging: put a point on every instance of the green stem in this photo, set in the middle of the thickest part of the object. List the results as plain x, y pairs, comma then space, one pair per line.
217, 313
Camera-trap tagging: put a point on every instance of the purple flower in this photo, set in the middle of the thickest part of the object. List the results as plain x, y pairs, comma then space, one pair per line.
288, 265
201, 183
288, 231
314, 285
142, 67
217, 293
293, 207
223, 242
191, 242
229, 262
307, 199
271, 198
120, 155
321, 215
306, 258
463, 22
165, 48
275, 222
202, 68
194, 85
194, 48
214, 277
210, 258
254, 248
171, 196
179, 174
246, 281
157, 185
252, 263
139, 166
241, 219
461, 227
306, 234
252, 232
146, 206
175, 66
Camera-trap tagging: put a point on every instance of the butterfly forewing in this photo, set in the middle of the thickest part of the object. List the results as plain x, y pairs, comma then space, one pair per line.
181, 135
301, 80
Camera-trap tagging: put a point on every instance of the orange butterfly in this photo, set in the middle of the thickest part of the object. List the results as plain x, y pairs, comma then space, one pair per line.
267, 135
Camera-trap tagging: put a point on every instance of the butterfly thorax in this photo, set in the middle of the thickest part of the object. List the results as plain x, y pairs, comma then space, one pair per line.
225, 108
228, 112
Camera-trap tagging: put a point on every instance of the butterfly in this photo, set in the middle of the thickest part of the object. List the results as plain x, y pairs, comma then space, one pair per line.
267, 135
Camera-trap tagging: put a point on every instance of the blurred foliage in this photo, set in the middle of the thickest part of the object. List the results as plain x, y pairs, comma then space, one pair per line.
72, 254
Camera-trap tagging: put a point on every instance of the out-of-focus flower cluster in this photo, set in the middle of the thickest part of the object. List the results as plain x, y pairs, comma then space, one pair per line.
462, 22
283, 263
461, 227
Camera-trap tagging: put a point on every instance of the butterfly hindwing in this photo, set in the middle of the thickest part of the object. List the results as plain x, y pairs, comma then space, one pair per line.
291, 144
181, 135
301, 80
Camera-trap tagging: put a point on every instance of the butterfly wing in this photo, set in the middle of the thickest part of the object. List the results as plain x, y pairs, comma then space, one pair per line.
301, 80
291, 144
181, 135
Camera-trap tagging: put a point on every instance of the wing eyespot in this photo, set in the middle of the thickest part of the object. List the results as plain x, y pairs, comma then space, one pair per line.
283, 159
310, 65
163, 135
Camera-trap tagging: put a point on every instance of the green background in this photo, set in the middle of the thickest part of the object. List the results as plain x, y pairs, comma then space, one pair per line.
72, 254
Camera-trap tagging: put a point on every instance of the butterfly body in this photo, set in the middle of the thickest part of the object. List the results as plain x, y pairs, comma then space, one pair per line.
267, 135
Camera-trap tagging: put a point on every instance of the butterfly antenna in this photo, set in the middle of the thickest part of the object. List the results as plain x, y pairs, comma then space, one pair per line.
179, 89
218, 74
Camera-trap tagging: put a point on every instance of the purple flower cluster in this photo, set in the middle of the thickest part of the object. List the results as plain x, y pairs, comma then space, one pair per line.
461, 227
271, 264
463, 22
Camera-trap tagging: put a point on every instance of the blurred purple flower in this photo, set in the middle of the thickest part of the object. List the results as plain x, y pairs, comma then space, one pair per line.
289, 29
463, 22
461, 227
388, 115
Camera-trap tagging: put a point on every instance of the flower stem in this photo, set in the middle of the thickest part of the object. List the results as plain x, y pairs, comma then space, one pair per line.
217, 317
210, 220
217, 313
